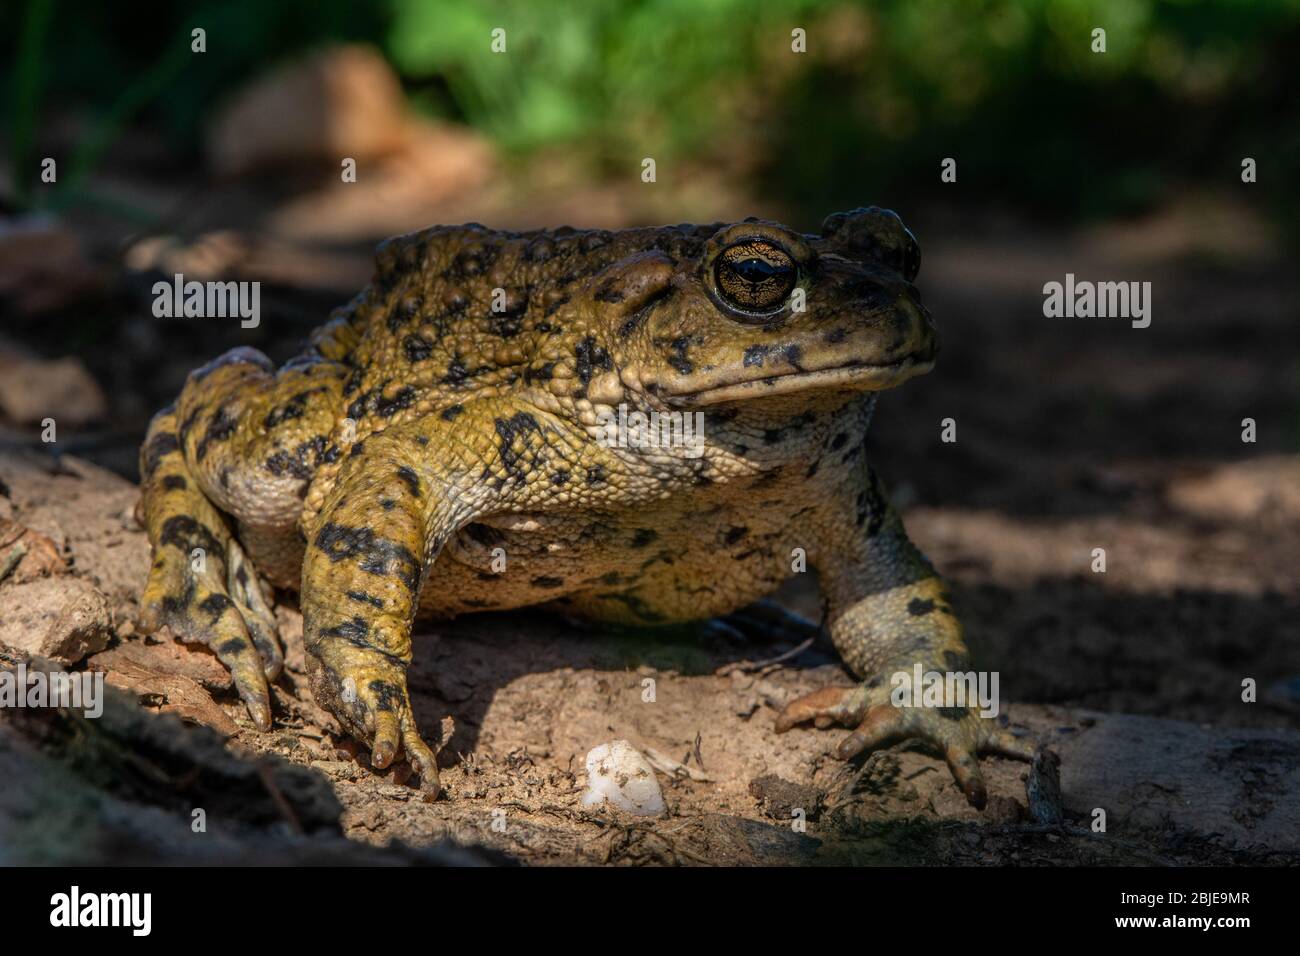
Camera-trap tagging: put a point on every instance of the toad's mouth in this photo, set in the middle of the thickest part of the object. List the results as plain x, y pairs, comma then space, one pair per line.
850, 378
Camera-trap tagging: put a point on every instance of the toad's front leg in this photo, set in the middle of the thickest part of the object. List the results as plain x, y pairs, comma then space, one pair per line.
399, 497
888, 613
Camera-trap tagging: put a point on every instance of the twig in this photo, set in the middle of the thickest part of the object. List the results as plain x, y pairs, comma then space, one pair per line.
746, 667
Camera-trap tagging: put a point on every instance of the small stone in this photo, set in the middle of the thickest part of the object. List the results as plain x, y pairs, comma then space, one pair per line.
1004, 810
32, 390
61, 618
782, 800
619, 773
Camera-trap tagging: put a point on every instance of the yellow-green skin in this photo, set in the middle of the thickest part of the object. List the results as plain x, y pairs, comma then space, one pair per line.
452, 413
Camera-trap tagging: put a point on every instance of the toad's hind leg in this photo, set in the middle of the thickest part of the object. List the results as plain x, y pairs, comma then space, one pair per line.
196, 559
254, 438
223, 476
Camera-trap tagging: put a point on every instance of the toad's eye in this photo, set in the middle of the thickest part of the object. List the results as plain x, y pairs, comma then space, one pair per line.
755, 275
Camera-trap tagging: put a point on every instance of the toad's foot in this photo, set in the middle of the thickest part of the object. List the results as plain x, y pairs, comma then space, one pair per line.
360, 586
201, 587
958, 733
366, 689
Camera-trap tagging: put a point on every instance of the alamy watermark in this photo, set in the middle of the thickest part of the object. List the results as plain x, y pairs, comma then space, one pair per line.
958, 689
75, 908
623, 429
1102, 300
208, 300
82, 691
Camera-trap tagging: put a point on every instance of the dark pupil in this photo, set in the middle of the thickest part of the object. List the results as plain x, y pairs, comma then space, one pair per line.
757, 270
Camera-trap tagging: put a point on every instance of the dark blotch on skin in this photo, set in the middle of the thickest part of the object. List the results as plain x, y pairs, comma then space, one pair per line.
400, 400
411, 479
547, 582
519, 425
232, 647
540, 373
302, 462
387, 696
590, 357
220, 428
643, 537
735, 534
919, 607
407, 308
509, 322
952, 713
182, 531
356, 631
175, 483
374, 555
458, 373
416, 349
190, 419
176, 604
295, 407
214, 605
365, 597
678, 359
473, 260
450, 412
871, 505
160, 445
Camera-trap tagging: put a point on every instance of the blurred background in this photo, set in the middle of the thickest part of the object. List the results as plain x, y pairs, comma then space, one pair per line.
1072, 433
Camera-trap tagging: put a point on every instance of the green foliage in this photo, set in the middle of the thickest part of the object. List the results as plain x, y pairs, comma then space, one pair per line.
609, 75
127, 63
886, 89
1012, 88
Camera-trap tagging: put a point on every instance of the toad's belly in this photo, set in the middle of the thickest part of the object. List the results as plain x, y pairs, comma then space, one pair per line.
666, 567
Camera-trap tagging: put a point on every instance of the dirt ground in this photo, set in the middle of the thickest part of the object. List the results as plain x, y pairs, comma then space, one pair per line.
1071, 435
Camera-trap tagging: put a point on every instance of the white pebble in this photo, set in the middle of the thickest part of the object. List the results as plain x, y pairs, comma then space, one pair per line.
619, 773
